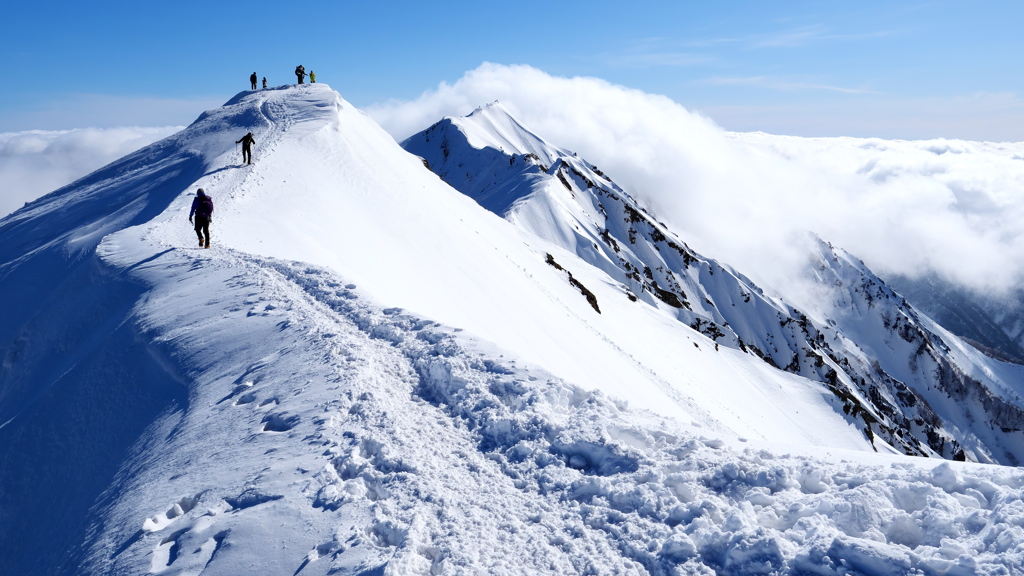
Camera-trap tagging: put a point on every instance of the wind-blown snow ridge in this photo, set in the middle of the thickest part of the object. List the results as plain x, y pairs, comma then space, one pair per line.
368, 374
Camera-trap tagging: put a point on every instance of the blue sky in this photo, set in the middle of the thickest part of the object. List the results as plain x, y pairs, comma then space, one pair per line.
867, 68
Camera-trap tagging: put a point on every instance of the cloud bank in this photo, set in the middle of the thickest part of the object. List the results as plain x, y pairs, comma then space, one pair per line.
952, 207
105, 111
37, 162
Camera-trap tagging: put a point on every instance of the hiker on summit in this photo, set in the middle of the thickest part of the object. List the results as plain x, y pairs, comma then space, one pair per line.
264, 82
247, 142
252, 80
202, 208
312, 77
300, 73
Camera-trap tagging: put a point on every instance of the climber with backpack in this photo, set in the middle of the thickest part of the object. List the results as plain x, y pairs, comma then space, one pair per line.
300, 73
202, 209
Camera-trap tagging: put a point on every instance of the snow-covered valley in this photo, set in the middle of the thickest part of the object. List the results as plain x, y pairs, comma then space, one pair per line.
372, 373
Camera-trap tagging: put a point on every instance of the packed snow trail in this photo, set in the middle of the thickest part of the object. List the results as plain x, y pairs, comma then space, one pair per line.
293, 425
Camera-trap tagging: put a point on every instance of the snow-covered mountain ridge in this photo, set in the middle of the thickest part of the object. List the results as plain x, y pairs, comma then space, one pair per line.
995, 323
875, 353
265, 406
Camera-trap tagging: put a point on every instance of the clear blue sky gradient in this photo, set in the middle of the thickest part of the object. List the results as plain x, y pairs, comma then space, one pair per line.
749, 64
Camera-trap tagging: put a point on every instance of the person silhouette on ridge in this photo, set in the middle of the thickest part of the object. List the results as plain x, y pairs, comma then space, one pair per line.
247, 142
252, 80
202, 209
300, 73
312, 77
264, 82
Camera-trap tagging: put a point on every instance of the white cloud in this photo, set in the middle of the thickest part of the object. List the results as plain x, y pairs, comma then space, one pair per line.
106, 111
36, 162
949, 206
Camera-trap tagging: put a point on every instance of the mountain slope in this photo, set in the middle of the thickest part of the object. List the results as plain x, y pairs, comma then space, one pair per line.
264, 406
992, 324
555, 195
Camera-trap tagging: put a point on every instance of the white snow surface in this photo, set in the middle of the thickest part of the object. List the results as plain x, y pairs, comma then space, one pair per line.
371, 374
908, 385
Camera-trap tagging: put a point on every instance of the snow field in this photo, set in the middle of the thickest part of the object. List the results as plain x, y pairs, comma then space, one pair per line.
371, 439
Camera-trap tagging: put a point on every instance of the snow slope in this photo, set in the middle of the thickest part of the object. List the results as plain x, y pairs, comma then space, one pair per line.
959, 206
35, 162
370, 374
993, 322
887, 369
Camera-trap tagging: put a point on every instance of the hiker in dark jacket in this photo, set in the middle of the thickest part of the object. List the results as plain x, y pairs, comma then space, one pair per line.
264, 81
252, 80
202, 209
247, 142
300, 73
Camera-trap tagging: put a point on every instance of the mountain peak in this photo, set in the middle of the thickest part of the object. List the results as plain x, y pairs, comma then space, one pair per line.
494, 126
495, 107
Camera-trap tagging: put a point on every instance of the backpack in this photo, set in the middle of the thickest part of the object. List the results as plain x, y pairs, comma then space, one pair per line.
205, 207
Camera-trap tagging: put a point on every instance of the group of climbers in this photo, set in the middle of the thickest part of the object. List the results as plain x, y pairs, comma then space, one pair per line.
300, 75
202, 205
252, 80
247, 141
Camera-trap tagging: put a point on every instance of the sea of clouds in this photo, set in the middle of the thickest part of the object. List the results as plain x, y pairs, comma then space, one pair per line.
910, 207
36, 162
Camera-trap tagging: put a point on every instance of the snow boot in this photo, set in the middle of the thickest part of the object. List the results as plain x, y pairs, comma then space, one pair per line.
207, 244
200, 242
